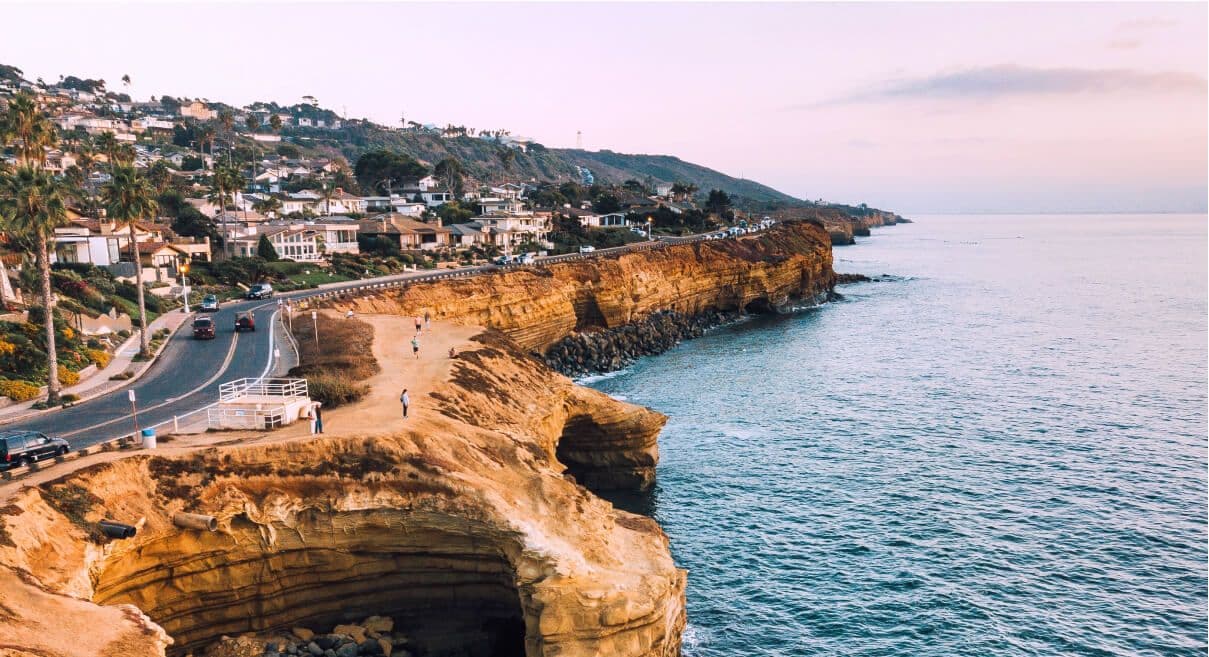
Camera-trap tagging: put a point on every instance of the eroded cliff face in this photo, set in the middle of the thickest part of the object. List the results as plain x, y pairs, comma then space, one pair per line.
465, 530
537, 307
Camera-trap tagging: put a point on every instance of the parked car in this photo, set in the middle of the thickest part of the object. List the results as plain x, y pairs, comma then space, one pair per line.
244, 322
209, 303
528, 259
203, 328
503, 260
19, 448
260, 291
587, 248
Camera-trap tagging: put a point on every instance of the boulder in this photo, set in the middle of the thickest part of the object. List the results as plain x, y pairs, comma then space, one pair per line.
302, 633
379, 624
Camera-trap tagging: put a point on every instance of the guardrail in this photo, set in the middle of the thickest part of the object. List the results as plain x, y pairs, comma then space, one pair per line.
247, 387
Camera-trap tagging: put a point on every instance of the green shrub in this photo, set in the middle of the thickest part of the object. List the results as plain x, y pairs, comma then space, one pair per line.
19, 391
69, 398
334, 389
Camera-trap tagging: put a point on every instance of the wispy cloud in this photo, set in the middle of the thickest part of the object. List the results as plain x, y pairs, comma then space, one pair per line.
1003, 81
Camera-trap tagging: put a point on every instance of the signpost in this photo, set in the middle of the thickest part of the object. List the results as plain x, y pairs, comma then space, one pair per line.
315, 318
134, 411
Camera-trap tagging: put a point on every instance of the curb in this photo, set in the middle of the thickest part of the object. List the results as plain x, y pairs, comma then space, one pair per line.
83, 398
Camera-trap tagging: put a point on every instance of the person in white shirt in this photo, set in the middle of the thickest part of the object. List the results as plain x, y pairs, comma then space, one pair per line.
406, 401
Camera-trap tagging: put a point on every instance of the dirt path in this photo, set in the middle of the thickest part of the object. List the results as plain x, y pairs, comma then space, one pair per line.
378, 412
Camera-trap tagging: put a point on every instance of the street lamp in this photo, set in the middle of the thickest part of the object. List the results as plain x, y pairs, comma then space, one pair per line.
185, 285
649, 222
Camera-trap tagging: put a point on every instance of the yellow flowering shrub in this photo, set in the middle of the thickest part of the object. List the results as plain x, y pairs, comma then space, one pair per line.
67, 377
19, 390
100, 357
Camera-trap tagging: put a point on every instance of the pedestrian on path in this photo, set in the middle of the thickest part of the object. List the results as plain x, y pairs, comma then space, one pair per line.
415, 346
427, 320
419, 326
349, 314
318, 418
406, 401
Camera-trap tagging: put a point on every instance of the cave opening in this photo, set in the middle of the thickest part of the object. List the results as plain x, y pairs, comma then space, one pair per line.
761, 306
450, 593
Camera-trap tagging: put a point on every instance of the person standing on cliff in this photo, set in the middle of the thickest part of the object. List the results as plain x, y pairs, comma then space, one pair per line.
406, 401
415, 346
318, 415
419, 326
427, 320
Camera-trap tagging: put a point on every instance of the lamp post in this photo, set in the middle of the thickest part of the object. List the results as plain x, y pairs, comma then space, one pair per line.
649, 221
185, 285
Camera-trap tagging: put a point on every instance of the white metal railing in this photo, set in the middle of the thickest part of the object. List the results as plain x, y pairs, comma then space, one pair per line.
245, 418
241, 388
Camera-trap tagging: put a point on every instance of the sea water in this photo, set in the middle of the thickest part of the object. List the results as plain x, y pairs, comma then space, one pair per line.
999, 451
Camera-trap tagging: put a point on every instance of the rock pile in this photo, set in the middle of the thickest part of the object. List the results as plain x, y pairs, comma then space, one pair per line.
373, 637
607, 350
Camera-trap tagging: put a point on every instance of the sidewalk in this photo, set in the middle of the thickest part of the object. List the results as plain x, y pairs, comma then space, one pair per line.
99, 383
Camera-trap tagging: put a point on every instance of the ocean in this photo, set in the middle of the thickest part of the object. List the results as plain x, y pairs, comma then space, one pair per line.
1000, 450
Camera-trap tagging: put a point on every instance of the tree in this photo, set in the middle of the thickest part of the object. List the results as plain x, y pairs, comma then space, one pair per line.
107, 143
454, 212
160, 176
275, 123
718, 202
268, 206
326, 193
507, 156
252, 122
32, 204
606, 203
129, 197
373, 167
126, 80
203, 134
28, 127
264, 248
450, 172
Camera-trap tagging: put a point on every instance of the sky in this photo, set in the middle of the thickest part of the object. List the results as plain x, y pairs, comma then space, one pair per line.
918, 108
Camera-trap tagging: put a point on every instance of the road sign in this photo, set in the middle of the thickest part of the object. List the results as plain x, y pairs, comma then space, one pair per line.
130, 394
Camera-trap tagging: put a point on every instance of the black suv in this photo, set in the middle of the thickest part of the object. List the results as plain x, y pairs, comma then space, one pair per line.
19, 448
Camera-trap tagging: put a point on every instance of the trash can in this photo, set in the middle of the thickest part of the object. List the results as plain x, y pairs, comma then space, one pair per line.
148, 438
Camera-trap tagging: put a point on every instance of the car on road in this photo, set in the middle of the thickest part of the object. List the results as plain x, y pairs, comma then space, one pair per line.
503, 260
587, 248
203, 328
528, 259
260, 291
18, 448
244, 322
209, 303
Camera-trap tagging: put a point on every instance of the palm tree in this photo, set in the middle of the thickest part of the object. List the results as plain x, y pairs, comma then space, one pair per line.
129, 197
268, 206
32, 204
327, 192
26, 123
107, 143
275, 123
203, 133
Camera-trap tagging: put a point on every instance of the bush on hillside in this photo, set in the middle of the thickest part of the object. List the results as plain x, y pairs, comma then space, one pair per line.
19, 391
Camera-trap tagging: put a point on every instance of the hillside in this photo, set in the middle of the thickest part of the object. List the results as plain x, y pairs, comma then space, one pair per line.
488, 160
617, 167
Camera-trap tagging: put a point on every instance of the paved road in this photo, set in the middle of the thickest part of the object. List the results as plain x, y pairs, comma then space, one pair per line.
188, 372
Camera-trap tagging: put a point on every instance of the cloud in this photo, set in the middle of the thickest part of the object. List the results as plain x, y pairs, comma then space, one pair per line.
1143, 24
1003, 81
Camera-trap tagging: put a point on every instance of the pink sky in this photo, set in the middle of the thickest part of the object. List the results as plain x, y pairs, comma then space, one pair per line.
913, 107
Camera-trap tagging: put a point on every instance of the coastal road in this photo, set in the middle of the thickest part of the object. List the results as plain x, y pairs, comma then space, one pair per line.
188, 372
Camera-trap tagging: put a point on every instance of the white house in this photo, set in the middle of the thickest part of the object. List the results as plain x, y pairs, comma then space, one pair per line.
197, 110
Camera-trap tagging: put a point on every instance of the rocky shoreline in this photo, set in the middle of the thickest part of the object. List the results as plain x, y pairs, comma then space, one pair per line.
375, 636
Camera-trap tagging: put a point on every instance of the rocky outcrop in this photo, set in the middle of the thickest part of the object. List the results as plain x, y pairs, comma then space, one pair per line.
606, 350
467, 531
540, 306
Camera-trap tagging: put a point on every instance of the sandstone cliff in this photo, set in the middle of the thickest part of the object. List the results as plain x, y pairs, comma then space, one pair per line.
539, 306
463, 529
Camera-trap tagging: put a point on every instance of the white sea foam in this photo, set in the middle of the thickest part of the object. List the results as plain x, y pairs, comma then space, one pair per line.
593, 378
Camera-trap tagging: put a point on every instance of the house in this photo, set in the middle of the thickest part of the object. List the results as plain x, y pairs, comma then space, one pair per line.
197, 110
467, 235
407, 233
107, 244
586, 218
343, 203
497, 205
151, 124
612, 219
511, 230
434, 198
408, 208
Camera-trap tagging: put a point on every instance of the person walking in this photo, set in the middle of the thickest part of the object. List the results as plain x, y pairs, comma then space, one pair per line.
419, 325
405, 401
415, 346
427, 320
349, 314
318, 414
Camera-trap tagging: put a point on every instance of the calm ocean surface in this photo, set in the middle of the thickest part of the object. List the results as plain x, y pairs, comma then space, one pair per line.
1001, 453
